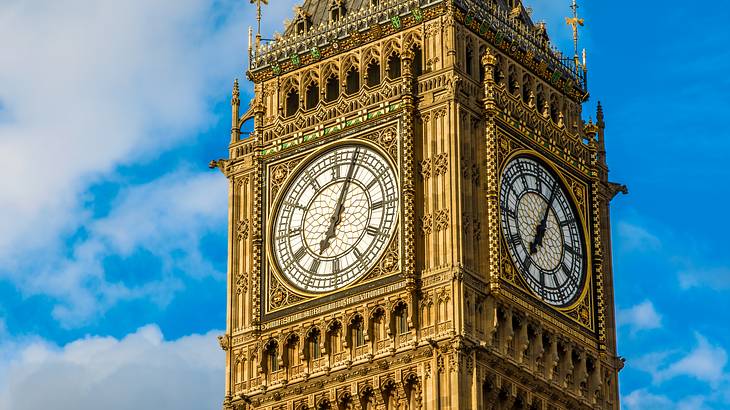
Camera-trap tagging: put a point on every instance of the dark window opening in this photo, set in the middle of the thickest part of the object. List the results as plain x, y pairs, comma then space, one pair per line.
394, 66
352, 81
402, 320
417, 66
312, 97
332, 89
292, 103
373, 74
469, 61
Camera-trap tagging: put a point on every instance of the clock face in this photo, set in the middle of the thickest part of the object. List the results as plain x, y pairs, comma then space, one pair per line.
542, 231
335, 218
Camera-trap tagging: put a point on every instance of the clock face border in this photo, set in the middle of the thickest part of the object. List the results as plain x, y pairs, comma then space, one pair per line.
306, 159
580, 215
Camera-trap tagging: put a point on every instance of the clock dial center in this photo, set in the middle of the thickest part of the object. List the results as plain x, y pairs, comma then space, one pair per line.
351, 220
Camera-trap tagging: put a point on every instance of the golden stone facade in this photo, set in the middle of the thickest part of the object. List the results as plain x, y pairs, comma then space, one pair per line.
447, 92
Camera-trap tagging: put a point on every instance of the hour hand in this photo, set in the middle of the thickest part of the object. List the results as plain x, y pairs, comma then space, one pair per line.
334, 221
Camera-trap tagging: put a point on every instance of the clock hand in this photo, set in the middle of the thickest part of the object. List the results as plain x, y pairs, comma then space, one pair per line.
340, 207
542, 226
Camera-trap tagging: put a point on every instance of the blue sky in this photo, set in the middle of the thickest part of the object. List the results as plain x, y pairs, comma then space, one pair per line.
113, 244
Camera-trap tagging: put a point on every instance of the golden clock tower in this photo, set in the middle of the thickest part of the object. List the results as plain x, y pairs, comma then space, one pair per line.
420, 217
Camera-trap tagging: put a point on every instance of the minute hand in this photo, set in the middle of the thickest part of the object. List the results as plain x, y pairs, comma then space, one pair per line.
543, 223
340, 207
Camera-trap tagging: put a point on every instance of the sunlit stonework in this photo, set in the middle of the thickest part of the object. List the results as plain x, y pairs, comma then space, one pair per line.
420, 217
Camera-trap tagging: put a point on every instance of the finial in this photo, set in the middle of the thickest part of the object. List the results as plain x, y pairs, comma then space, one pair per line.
599, 113
235, 88
575, 22
258, 19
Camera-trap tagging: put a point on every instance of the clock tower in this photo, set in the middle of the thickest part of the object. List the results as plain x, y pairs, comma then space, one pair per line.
419, 218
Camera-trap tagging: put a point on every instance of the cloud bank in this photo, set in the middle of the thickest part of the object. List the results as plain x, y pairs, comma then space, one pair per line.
140, 371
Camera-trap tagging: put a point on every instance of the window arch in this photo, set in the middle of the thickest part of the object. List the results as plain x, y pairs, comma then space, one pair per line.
292, 102
314, 350
352, 81
417, 63
394, 66
312, 95
526, 88
401, 318
512, 82
357, 331
272, 356
372, 73
292, 352
334, 338
332, 88
378, 325
469, 61
554, 108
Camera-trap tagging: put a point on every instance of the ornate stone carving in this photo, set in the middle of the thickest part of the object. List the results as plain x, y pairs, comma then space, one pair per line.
441, 221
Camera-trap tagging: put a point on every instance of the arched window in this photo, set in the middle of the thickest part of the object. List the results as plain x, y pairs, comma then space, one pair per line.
394, 65
352, 81
332, 89
373, 74
313, 347
526, 88
554, 108
335, 338
312, 96
292, 351
401, 319
540, 98
512, 82
358, 332
292, 102
378, 324
498, 75
272, 359
469, 61
417, 64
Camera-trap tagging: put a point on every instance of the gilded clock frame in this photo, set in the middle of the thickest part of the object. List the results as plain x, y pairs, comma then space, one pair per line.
569, 182
379, 274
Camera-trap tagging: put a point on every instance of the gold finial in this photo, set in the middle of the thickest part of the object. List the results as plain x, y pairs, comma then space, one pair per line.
574, 22
258, 19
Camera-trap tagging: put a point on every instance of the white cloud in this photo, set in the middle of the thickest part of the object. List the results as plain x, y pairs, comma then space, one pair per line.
633, 237
139, 371
640, 317
705, 362
714, 278
87, 86
166, 218
643, 399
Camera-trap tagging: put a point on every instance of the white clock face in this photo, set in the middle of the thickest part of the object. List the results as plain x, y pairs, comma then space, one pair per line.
542, 232
335, 218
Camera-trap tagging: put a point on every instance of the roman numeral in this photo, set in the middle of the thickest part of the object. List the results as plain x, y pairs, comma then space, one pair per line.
567, 222
377, 205
336, 267
313, 181
515, 239
299, 254
371, 230
314, 267
510, 212
294, 205
527, 264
